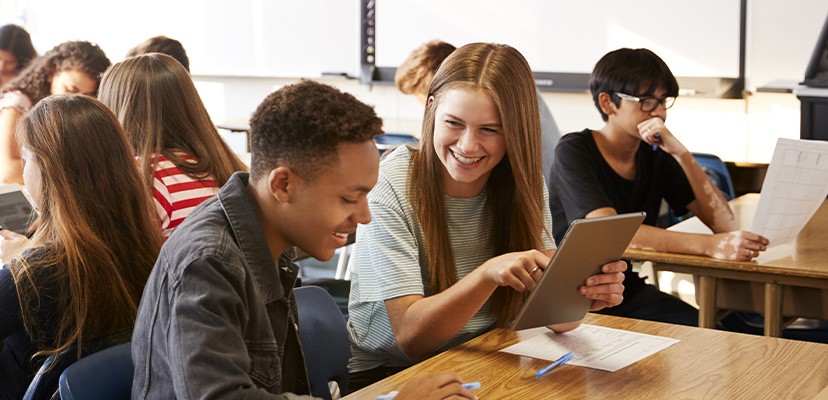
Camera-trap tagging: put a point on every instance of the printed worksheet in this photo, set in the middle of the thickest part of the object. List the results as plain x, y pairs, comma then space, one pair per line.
795, 186
594, 346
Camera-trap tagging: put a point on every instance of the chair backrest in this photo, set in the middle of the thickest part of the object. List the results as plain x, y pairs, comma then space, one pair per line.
45, 383
717, 171
390, 140
324, 340
338, 289
106, 374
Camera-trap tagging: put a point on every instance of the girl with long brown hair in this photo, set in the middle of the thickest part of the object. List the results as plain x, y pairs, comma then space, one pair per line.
183, 159
81, 274
461, 227
70, 67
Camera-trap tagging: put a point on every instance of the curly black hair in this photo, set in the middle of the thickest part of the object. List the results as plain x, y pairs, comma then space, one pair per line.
17, 41
301, 126
36, 80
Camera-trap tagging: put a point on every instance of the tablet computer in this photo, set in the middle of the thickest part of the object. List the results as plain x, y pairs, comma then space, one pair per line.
16, 212
588, 245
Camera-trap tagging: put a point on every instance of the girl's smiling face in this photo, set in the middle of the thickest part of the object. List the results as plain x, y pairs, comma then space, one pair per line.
468, 140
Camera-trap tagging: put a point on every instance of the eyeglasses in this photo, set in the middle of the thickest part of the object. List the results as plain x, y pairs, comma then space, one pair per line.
648, 104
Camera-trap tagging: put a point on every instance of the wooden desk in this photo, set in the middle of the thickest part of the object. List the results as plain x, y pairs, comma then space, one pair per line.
705, 364
802, 263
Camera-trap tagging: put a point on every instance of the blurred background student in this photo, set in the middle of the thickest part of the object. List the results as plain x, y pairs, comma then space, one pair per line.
183, 160
16, 52
70, 67
80, 276
164, 45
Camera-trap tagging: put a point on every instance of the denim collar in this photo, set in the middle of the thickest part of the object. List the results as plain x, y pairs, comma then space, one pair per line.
273, 278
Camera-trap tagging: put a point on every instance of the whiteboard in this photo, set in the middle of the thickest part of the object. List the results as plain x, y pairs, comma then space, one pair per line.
699, 38
268, 38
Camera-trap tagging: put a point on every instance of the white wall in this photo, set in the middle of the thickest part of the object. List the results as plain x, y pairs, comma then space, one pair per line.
781, 37
234, 38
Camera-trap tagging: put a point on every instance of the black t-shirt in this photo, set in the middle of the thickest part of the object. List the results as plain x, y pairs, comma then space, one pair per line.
582, 181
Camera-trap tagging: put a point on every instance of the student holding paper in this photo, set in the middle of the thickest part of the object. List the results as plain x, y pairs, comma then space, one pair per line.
182, 158
461, 228
81, 274
71, 67
630, 165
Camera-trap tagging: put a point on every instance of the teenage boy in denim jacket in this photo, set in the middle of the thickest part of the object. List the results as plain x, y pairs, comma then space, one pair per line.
218, 318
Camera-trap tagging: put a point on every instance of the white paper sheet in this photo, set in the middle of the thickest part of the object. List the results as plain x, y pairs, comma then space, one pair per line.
594, 346
795, 186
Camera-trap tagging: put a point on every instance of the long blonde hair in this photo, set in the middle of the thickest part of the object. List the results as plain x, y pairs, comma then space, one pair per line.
514, 190
97, 238
155, 100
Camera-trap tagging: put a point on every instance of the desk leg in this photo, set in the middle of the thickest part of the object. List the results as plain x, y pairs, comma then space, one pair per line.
707, 302
773, 310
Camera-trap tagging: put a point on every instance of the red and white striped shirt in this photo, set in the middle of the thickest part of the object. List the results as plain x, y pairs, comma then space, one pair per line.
176, 194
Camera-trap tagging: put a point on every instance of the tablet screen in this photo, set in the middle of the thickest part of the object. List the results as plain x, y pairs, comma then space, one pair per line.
16, 212
586, 247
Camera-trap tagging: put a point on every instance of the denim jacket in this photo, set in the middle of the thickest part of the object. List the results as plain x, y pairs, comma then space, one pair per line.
217, 318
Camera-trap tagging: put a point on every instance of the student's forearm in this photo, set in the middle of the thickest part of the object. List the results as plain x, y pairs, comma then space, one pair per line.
11, 168
710, 205
11, 171
429, 322
657, 239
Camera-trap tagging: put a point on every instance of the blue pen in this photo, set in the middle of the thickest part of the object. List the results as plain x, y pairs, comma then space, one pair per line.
561, 361
392, 394
657, 136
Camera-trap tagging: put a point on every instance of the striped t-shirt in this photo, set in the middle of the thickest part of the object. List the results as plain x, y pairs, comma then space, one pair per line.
390, 261
176, 194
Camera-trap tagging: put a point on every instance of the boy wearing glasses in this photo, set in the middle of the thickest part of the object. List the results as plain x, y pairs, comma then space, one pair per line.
630, 165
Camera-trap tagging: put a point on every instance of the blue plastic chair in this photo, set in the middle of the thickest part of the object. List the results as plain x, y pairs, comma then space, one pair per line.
45, 383
716, 169
389, 140
106, 374
324, 340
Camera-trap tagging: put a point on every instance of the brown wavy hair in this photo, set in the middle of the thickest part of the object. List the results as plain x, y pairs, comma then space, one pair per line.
155, 100
97, 237
514, 192
164, 45
414, 75
36, 80
17, 41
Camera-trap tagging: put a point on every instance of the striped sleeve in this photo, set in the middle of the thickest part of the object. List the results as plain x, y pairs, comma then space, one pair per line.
177, 194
